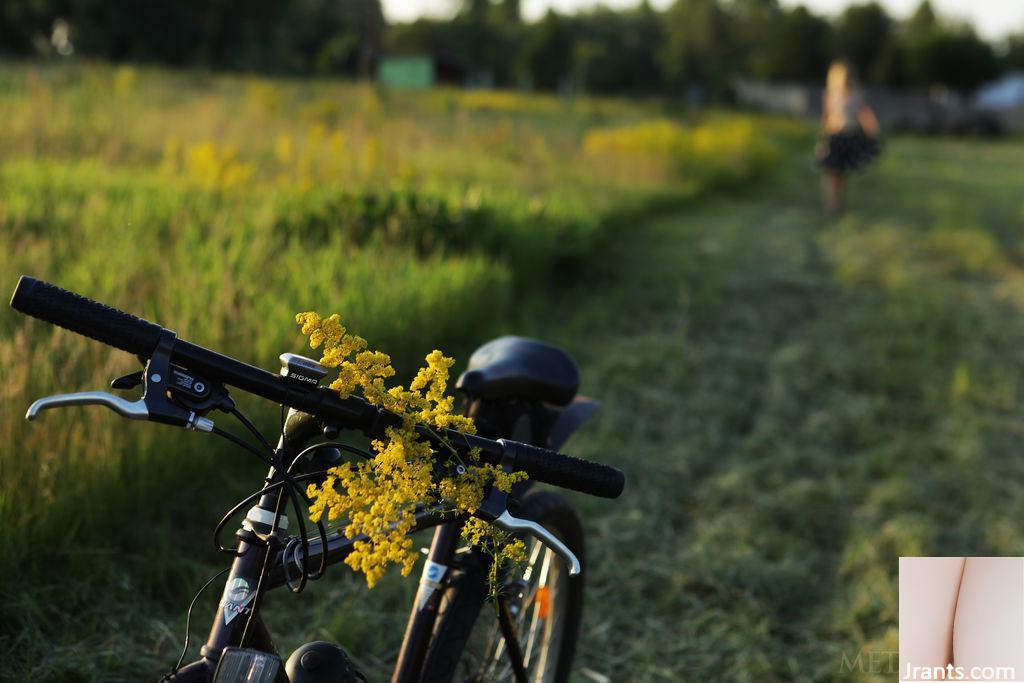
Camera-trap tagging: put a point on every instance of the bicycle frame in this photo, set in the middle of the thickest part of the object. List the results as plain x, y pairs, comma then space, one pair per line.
261, 567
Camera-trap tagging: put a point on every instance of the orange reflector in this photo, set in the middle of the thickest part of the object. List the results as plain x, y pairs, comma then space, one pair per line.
543, 602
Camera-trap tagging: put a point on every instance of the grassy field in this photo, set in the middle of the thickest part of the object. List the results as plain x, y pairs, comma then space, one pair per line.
796, 401
219, 206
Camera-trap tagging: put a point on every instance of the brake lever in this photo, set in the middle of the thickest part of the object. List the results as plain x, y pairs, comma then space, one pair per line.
154, 404
133, 410
494, 510
507, 522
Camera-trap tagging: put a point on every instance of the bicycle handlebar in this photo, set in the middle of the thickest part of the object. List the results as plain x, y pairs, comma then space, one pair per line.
129, 333
86, 317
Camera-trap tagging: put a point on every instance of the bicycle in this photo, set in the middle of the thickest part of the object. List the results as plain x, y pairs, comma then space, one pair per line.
522, 396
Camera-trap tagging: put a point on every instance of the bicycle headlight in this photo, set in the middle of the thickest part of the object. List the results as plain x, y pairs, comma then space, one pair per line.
238, 665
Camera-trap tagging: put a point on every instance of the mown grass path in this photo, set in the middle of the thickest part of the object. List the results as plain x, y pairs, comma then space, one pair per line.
681, 347
798, 401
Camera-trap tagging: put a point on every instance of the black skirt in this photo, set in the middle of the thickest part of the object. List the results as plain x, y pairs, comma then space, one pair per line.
847, 151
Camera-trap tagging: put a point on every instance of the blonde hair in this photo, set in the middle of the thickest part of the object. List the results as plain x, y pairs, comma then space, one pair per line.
840, 79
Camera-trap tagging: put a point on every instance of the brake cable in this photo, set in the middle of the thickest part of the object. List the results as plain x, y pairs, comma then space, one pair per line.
291, 488
251, 427
188, 621
238, 508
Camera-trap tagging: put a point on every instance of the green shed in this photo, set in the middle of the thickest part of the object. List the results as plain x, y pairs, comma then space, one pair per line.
406, 71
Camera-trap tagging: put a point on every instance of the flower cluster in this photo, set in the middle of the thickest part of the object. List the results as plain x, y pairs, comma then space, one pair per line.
724, 148
212, 166
378, 497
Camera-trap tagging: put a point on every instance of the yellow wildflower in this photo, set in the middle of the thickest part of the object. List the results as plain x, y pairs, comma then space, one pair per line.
378, 498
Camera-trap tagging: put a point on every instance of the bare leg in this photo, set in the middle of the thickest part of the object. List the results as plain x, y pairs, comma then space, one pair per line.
833, 186
828, 191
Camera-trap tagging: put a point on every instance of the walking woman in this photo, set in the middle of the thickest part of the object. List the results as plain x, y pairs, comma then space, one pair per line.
850, 138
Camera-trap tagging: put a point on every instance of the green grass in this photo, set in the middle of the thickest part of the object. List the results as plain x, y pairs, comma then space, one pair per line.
219, 206
796, 401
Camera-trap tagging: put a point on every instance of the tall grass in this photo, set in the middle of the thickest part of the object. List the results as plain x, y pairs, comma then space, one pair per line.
221, 205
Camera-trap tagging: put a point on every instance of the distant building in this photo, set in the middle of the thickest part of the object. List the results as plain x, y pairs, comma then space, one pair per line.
406, 71
419, 71
1006, 94
1004, 99
797, 99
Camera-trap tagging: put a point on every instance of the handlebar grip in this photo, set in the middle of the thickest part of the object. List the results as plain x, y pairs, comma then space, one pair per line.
86, 317
552, 467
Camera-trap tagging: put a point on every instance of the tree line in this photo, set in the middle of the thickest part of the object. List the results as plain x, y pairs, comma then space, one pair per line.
692, 47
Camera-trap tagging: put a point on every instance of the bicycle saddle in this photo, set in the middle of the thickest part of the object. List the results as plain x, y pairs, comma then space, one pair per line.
509, 367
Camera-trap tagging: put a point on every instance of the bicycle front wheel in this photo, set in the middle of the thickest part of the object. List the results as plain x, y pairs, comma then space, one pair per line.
545, 602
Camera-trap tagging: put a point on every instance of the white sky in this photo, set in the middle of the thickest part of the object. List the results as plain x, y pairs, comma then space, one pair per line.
992, 18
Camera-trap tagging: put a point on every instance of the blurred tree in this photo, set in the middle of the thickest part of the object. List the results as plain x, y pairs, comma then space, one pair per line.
892, 68
909, 65
1015, 52
694, 46
701, 47
511, 11
923, 20
546, 58
790, 45
420, 36
862, 33
614, 51
645, 41
172, 33
338, 36
954, 57
476, 9
26, 25
484, 39
329, 37
934, 52
755, 24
